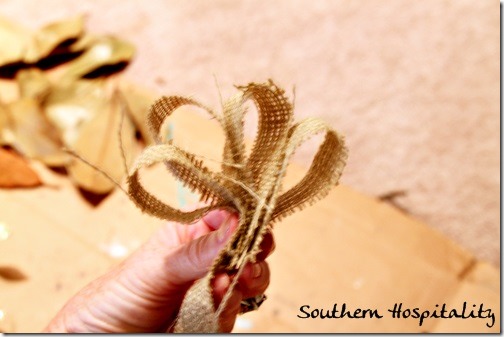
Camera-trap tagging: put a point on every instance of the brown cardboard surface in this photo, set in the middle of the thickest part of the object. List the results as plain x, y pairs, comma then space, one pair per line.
56, 264
347, 248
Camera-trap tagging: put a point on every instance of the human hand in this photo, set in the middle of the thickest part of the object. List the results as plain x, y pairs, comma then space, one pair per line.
144, 293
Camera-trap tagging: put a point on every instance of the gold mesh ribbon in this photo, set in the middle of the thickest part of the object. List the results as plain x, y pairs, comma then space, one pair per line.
250, 186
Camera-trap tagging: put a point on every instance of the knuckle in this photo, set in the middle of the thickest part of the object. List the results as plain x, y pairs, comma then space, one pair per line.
195, 254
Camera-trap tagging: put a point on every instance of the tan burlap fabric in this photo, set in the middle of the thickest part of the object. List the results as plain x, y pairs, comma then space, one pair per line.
251, 186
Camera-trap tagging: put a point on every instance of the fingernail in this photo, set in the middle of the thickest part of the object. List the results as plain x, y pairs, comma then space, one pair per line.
214, 219
222, 282
256, 270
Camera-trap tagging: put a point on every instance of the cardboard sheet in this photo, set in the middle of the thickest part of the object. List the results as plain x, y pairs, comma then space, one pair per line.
347, 248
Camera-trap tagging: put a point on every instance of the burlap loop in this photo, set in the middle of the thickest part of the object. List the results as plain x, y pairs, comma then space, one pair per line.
251, 186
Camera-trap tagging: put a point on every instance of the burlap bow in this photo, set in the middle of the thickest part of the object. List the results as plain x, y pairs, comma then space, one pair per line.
251, 186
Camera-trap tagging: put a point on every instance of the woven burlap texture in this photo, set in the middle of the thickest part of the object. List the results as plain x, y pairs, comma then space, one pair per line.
251, 186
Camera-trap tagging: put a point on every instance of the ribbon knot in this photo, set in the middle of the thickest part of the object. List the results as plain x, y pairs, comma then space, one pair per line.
250, 186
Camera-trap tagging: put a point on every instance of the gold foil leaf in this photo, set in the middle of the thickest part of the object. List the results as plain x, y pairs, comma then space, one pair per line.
139, 102
103, 52
98, 143
48, 38
5, 124
70, 105
34, 136
32, 83
84, 42
13, 42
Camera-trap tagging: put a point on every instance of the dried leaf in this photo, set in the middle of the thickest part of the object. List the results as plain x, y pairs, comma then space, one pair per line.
99, 144
13, 42
139, 102
33, 83
11, 274
105, 51
34, 136
15, 172
46, 40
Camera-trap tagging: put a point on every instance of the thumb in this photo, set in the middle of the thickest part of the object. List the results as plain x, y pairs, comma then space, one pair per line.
192, 260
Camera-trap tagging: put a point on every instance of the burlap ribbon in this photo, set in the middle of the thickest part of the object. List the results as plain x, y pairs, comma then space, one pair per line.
251, 186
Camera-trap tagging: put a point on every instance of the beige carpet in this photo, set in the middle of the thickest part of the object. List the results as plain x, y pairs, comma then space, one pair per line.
414, 85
